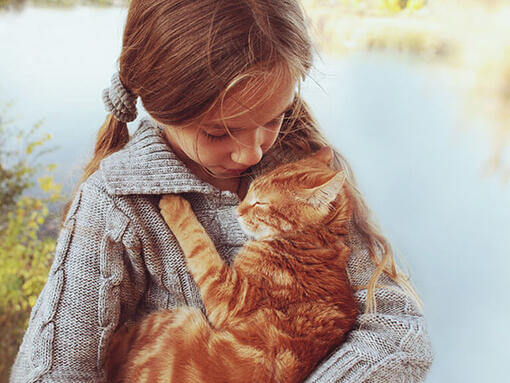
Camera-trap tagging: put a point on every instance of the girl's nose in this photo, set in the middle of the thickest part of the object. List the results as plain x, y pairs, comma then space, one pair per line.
247, 156
249, 149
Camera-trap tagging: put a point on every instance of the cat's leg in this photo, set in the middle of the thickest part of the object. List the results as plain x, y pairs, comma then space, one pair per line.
220, 285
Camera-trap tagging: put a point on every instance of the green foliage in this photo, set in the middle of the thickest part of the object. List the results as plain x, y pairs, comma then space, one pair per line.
19, 152
25, 256
385, 6
394, 6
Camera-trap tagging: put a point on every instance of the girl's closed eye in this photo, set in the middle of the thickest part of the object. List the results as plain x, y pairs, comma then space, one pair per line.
215, 137
218, 136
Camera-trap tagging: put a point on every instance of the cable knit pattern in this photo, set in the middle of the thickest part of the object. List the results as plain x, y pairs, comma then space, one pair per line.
119, 101
116, 260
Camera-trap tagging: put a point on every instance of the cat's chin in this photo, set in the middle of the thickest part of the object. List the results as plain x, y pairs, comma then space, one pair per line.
265, 235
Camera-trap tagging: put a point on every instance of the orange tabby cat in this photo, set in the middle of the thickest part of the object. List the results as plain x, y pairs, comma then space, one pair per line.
282, 306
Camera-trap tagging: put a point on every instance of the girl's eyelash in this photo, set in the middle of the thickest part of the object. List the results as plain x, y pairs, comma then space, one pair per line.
214, 138
223, 136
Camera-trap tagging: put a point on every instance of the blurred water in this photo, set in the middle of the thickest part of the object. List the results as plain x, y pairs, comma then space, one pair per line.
396, 123
55, 63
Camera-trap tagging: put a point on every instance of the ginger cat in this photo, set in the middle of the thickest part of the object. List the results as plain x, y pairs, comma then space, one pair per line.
282, 306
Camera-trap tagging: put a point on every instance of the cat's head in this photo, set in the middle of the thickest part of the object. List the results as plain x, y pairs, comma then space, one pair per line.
291, 197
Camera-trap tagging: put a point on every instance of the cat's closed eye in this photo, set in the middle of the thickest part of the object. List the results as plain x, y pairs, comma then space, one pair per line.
259, 203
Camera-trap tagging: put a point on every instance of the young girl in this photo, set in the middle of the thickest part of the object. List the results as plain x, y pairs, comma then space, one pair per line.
220, 82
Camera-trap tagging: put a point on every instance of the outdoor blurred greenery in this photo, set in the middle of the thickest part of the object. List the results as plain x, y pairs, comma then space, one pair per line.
468, 41
26, 249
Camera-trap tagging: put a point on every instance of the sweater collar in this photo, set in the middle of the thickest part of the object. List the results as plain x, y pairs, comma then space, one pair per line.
147, 165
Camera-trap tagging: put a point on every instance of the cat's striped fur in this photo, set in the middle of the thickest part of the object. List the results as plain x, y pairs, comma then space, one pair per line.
282, 306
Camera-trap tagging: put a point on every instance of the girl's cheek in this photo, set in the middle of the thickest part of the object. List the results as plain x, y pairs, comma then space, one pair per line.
213, 151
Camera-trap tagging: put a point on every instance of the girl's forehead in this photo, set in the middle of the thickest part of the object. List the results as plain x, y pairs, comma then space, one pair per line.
257, 104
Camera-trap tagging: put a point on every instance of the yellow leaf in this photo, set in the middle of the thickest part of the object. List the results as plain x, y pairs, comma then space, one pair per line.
51, 167
414, 5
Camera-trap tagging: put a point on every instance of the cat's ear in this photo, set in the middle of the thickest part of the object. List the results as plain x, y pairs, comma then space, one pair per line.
326, 193
324, 155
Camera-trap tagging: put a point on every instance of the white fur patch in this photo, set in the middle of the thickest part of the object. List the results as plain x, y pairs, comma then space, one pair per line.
265, 234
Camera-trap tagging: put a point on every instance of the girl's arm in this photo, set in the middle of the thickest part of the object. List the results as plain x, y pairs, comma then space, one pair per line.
389, 346
90, 289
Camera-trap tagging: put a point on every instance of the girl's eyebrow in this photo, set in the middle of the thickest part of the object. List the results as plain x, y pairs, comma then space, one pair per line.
234, 128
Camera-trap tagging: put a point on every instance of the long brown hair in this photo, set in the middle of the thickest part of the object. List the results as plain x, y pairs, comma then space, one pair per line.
182, 57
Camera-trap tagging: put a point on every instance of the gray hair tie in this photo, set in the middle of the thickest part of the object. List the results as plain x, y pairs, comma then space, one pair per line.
119, 101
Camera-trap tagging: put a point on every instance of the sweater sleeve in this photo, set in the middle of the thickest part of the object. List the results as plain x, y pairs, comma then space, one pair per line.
89, 290
391, 345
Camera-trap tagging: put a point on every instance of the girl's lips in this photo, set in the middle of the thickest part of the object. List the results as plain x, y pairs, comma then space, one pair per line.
235, 171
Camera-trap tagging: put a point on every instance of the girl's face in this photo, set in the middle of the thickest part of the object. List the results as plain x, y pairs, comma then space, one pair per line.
253, 131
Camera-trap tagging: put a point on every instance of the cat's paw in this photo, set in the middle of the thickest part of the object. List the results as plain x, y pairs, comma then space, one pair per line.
173, 208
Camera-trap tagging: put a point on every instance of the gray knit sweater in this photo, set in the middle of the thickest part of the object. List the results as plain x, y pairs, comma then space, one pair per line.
117, 260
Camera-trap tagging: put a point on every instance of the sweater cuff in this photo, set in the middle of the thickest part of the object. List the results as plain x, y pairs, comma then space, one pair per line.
349, 367
366, 357
342, 366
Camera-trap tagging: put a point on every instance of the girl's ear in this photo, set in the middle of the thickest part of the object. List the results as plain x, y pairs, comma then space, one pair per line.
324, 155
326, 193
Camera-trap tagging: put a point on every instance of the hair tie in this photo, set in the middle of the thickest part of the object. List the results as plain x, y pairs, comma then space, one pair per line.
119, 101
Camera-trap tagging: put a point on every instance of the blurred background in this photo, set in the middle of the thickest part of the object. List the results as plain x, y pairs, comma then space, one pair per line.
416, 95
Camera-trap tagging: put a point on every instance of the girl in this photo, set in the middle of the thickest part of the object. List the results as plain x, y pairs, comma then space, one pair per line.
220, 81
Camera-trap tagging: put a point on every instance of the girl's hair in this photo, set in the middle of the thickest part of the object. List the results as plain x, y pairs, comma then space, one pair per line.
182, 57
